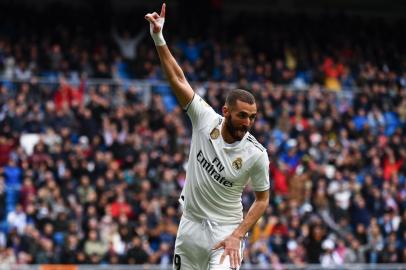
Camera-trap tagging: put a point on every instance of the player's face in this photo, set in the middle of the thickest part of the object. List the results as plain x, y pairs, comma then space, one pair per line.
239, 118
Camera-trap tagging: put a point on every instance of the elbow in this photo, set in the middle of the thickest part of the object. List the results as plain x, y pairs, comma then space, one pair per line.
265, 204
264, 201
177, 79
181, 78
262, 205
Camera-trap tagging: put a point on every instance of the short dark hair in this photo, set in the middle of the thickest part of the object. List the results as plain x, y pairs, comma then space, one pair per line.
241, 95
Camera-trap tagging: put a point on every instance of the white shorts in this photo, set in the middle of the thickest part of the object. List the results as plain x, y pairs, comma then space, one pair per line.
194, 243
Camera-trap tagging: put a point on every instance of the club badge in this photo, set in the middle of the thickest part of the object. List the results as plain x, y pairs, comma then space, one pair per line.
237, 163
215, 133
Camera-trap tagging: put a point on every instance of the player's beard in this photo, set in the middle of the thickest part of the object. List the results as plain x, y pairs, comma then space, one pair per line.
236, 132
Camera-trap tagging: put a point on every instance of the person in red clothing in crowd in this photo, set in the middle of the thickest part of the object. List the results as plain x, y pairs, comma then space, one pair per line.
298, 120
391, 166
6, 146
27, 191
280, 174
332, 71
67, 95
121, 206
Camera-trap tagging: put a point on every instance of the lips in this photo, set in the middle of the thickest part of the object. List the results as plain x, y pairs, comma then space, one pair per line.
241, 132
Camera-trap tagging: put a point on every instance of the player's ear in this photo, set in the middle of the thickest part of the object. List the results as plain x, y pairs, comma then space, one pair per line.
226, 111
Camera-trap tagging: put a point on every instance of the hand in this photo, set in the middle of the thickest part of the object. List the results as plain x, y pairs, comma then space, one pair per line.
156, 24
231, 246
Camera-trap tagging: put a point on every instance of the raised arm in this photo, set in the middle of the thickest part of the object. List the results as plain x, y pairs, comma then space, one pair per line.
174, 74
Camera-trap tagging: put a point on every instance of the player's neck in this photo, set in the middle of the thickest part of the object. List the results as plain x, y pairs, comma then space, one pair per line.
226, 135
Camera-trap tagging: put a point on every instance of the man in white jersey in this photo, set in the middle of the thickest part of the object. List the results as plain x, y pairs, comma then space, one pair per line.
223, 158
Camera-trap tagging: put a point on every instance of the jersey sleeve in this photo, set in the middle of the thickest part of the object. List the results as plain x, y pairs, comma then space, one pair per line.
260, 173
199, 112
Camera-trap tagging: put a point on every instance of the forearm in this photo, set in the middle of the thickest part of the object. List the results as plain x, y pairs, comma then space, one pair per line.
181, 88
175, 76
254, 213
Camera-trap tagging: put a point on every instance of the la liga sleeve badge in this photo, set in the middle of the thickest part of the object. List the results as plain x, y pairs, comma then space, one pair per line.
215, 133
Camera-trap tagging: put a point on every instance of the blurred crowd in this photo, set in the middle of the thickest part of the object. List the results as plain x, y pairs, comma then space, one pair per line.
91, 174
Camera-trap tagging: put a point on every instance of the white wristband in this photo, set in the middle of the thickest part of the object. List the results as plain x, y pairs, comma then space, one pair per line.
158, 37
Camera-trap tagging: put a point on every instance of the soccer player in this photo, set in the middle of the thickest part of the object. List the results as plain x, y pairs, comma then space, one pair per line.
223, 158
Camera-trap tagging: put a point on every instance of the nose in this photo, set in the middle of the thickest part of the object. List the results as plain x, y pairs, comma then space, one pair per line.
246, 122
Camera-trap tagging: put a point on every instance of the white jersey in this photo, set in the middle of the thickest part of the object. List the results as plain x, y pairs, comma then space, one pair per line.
218, 172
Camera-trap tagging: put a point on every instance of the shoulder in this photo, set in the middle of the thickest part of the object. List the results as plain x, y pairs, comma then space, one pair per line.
254, 144
199, 111
197, 102
212, 124
257, 152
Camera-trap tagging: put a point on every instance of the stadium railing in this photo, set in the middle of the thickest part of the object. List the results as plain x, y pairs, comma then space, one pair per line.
148, 87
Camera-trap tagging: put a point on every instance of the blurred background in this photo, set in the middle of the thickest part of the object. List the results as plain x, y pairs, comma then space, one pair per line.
93, 146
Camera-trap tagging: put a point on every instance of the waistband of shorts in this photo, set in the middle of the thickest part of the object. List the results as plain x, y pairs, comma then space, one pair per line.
194, 218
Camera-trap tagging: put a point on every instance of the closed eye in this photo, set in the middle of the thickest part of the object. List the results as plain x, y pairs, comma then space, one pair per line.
243, 115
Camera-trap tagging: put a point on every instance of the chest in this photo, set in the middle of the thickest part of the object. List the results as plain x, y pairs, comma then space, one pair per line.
218, 160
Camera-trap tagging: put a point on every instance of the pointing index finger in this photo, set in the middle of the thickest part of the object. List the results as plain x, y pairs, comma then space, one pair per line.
163, 10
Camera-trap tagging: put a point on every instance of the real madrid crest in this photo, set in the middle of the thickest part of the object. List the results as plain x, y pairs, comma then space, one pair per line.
215, 133
237, 163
